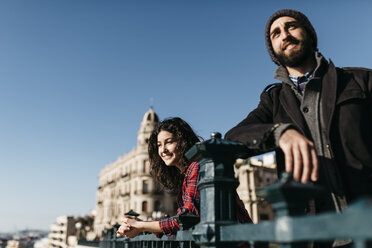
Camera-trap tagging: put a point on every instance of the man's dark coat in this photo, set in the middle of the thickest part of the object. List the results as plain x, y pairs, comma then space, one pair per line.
347, 123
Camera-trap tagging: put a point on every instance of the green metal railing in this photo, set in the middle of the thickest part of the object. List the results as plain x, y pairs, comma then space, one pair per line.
183, 239
218, 226
83, 242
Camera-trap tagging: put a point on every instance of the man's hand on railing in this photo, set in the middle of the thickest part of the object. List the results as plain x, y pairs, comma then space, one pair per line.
300, 156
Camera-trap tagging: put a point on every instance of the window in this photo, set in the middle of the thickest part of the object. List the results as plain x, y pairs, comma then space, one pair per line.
268, 179
145, 186
146, 166
144, 206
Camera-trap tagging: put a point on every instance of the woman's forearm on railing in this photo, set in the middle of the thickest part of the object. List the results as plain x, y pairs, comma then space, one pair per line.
131, 227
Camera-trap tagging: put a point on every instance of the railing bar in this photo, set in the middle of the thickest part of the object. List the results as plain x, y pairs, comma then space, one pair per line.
220, 205
230, 206
359, 243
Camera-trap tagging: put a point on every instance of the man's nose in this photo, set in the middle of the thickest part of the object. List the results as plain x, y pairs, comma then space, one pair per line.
285, 34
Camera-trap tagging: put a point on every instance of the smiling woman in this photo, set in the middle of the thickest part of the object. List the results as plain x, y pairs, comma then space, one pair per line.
167, 149
168, 143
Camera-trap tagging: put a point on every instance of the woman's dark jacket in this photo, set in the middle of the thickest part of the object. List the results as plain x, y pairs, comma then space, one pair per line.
347, 123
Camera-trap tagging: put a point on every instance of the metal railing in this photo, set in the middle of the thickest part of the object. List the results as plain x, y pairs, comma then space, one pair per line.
83, 242
182, 239
218, 226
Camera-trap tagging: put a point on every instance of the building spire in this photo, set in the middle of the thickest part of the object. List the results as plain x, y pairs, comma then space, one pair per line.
151, 103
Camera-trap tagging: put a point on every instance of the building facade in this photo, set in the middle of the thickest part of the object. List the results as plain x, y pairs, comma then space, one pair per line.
61, 231
15, 244
253, 174
126, 184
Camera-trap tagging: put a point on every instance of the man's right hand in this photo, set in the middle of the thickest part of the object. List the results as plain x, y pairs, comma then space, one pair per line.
300, 156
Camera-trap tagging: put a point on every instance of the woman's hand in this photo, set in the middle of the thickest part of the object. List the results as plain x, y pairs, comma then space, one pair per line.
130, 227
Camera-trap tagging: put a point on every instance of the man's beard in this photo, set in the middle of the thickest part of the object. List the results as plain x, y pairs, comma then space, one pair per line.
298, 57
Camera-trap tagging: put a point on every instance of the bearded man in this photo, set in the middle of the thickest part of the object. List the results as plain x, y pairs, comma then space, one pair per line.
318, 119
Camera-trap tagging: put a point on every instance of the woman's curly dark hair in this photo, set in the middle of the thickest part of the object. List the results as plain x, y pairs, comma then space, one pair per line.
170, 176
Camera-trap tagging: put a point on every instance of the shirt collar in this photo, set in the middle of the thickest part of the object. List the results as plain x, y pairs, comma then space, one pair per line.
302, 79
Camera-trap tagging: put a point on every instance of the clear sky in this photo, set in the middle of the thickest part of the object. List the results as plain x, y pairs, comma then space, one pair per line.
77, 76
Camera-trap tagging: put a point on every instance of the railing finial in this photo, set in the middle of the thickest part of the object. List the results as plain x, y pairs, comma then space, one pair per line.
216, 135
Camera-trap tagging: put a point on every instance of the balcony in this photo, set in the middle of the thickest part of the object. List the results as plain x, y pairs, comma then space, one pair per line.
125, 194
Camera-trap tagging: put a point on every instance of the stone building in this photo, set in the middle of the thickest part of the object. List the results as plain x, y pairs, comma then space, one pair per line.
126, 184
61, 231
253, 174
15, 244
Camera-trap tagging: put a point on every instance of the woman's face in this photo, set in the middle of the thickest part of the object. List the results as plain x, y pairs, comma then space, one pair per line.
167, 149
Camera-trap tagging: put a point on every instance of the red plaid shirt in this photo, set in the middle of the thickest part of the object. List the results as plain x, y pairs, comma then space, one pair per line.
189, 199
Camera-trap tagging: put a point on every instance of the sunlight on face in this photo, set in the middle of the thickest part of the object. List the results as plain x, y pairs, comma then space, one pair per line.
167, 149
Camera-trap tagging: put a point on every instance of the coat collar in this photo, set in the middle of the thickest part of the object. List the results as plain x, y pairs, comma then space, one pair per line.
291, 104
281, 72
329, 91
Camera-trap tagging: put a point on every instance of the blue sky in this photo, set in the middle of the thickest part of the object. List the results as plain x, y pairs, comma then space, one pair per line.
77, 76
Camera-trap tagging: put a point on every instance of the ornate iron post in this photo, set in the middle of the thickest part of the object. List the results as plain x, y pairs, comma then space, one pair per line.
217, 187
289, 198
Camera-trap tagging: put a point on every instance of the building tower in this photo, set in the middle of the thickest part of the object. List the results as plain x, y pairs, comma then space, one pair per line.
150, 119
